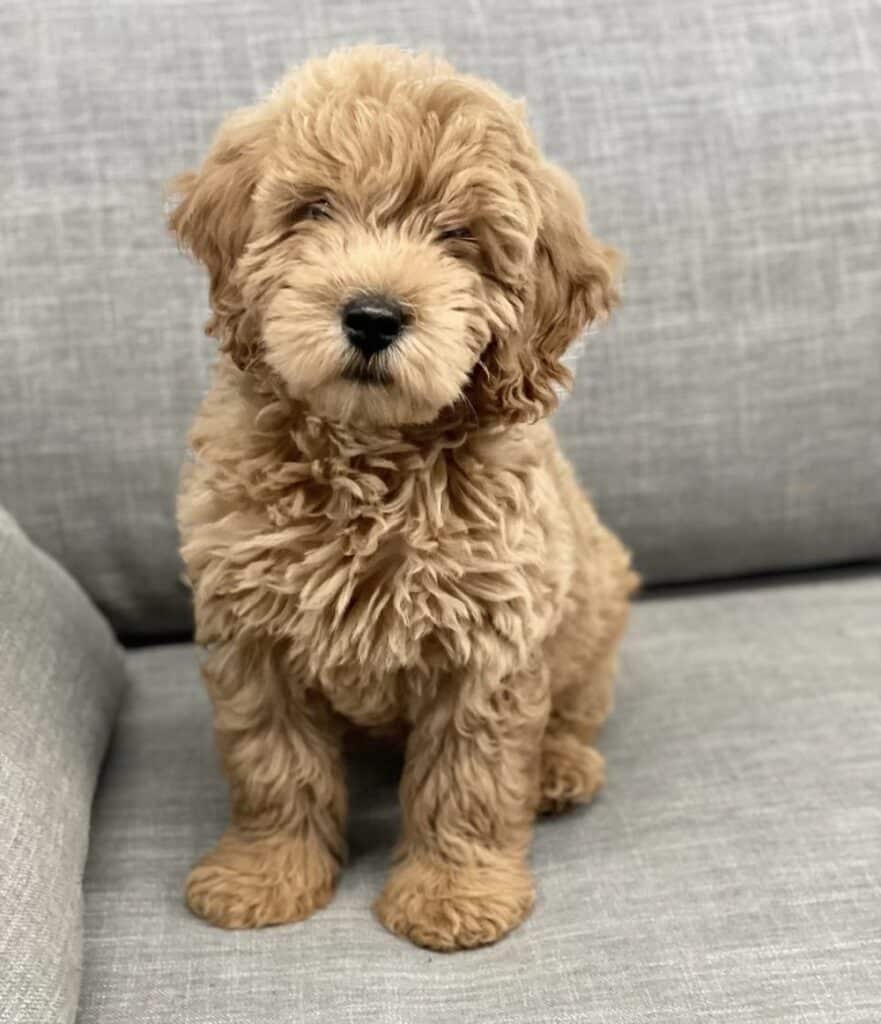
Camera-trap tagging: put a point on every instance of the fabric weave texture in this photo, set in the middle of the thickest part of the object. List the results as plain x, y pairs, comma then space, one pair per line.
726, 422
728, 873
61, 681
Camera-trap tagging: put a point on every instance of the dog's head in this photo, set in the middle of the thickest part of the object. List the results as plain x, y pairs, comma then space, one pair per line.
383, 234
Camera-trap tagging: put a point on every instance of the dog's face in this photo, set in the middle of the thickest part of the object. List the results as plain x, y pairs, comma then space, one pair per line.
383, 235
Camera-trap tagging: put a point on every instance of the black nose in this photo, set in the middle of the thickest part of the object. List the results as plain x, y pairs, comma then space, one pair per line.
372, 322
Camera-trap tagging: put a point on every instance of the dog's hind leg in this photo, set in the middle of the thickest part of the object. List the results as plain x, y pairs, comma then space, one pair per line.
582, 657
572, 769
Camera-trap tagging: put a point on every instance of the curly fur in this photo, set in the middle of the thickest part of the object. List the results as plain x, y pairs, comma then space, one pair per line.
410, 556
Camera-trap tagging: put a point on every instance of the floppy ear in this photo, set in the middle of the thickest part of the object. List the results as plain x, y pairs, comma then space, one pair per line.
213, 219
572, 284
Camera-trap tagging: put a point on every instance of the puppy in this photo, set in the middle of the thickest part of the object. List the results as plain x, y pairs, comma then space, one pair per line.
378, 525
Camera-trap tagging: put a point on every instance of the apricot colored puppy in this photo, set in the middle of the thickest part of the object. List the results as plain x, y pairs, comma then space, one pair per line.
377, 522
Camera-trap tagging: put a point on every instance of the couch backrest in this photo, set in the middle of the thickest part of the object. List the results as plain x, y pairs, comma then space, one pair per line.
729, 421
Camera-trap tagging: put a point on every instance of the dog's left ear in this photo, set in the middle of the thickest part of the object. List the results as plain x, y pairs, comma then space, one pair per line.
573, 284
213, 219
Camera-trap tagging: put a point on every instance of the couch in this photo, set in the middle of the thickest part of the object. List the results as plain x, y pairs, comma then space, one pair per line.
727, 423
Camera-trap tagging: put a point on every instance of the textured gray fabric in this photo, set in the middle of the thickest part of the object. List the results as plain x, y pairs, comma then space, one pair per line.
729, 873
61, 677
727, 422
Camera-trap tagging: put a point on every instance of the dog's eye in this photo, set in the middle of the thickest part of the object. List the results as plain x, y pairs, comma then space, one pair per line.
463, 234
318, 209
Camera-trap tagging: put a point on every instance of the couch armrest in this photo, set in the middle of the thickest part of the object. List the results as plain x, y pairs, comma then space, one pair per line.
61, 679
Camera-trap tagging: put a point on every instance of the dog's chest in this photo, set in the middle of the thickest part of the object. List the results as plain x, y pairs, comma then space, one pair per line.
380, 583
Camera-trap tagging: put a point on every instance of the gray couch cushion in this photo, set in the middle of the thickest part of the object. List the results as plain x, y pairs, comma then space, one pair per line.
728, 421
61, 677
729, 873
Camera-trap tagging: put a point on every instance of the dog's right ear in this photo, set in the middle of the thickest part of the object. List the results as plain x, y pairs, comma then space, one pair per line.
213, 218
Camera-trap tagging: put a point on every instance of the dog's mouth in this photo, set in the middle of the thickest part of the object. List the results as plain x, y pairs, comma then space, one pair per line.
368, 373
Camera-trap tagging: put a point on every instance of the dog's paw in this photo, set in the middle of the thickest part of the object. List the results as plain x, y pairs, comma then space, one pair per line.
252, 883
446, 907
571, 773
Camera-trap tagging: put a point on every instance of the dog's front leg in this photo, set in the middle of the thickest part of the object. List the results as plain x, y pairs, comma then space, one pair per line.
469, 794
281, 753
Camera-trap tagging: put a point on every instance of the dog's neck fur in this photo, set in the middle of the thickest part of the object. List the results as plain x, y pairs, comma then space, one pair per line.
406, 448
343, 518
